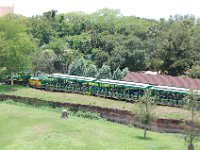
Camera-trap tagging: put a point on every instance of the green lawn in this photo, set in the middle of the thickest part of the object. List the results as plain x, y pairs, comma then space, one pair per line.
29, 128
162, 112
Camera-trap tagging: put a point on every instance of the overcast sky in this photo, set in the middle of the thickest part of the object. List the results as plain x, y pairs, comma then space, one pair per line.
152, 9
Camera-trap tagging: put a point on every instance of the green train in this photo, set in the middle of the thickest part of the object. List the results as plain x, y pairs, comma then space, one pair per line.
112, 89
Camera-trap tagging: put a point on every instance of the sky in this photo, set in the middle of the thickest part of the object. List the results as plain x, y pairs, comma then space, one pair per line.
151, 9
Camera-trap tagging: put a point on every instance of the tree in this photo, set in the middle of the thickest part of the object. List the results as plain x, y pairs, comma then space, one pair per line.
104, 72
145, 112
68, 56
136, 60
117, 74
170, 46
192, 133
16, 47
195, 72
101, 58
176, 48
80, 42
78, 67
124, 72
91, 71
43, 60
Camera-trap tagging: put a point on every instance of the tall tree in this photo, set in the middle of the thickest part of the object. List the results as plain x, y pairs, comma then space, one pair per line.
78, 67
104, 72
101, 58
17, 46
43, 60
91, 71
195, 72
117, 74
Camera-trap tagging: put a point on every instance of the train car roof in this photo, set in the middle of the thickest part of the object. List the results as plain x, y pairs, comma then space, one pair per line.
123, 83
171, 89
72, 77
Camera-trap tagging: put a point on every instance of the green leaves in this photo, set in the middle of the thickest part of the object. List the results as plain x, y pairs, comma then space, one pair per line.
145, 113
78, 67
195, 72
91, 71
104, 72
16, 46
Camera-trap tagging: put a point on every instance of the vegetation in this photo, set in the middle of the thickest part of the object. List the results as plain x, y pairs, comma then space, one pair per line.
145, 113
195, 71
192, 134
104, 72
91, 71
103, 44
16, 46
36, 128
104, 37
77, 67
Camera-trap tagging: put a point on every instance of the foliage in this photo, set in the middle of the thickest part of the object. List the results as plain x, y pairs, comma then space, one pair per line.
101, 58
88, 115
16, 46
192, 133
91, 71
104, 72
145, 112
124, 72
117, 74
67, 56
43, 60
170, 46
195, 72
78, 67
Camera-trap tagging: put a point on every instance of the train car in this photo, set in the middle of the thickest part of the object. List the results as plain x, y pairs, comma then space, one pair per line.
71, 83
121, 90
173, 96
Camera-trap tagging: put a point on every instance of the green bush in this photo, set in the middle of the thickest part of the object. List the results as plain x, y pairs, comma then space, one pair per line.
195, 72
88, 115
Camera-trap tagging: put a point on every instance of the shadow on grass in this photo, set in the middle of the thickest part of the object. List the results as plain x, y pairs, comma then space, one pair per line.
142, 138
9, 88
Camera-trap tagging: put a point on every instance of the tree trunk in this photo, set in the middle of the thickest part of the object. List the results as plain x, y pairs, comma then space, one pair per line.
190, 146
63, 69
145, 131
64, 114
11, 79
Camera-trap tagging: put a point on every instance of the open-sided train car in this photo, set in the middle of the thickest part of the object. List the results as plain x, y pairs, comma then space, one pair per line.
70, 83
172, 96
114, 89
121, 90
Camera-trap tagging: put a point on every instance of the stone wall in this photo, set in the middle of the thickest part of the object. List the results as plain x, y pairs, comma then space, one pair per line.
115, 115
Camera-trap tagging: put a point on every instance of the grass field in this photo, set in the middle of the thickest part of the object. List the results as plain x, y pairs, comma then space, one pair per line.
161, 111
28, 128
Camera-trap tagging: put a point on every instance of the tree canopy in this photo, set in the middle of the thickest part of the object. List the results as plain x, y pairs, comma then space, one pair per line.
16, 46
106, 37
